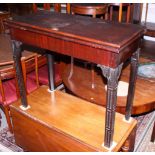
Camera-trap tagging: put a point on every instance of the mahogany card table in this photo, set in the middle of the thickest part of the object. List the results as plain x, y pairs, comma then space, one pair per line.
107, 44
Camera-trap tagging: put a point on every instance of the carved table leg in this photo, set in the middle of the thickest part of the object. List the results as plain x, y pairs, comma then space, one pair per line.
153, 134
16, 46
132, 82
50, 58
112, 75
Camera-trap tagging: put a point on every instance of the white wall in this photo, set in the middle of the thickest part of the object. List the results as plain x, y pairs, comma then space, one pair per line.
150, 16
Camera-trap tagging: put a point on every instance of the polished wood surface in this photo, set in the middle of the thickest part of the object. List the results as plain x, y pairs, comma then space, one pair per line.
60, 25
90, 9
80, 84
61, 122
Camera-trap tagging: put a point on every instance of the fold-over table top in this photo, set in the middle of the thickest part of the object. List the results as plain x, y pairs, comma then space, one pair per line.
111, 34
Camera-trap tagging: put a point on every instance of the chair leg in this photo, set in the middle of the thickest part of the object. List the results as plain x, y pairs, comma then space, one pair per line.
153, 134
128, 13
7, 115
111, 12
120, 12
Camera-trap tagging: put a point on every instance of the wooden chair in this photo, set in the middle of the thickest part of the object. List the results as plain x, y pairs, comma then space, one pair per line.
30, 65
46, 6
57, 7
41, 72
121, 5
8, 83
8, 90
90, 9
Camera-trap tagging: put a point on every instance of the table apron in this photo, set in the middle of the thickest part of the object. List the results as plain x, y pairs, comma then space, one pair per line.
77, 50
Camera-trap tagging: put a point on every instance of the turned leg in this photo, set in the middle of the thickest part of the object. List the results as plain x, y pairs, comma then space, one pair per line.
153, 134
17, 50
129, 144
111, 12
112, 75
128, 13
132, 83
50, 59
8, 118
120, 12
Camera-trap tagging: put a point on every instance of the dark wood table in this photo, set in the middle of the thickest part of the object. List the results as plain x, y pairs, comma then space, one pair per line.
107, 44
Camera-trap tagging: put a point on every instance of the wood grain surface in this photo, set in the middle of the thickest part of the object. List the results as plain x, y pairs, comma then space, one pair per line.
65, 122
80, 84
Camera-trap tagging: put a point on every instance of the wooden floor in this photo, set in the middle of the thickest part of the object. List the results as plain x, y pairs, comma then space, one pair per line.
60, 122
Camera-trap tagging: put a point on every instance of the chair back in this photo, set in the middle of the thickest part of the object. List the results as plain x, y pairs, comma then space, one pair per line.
58, 7
30, 64
7, 77
46, 6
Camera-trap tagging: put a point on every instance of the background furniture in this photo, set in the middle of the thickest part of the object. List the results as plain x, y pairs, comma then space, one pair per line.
8, 92
3, 15
120, 15
90, 9
77, 85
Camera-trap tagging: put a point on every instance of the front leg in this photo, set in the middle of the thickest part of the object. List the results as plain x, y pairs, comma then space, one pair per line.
17, 50
132, 83
112, 75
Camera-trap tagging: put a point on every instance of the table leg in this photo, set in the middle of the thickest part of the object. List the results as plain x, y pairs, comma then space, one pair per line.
112, 75
129, 144
17, 50
132, 82
153, 134
50, 58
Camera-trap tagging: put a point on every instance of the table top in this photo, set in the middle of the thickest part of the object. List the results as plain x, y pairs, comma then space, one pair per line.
85, 123
81, 86
94, 31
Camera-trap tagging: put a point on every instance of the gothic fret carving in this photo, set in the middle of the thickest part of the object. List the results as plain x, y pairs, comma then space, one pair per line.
112, 75
17, 49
